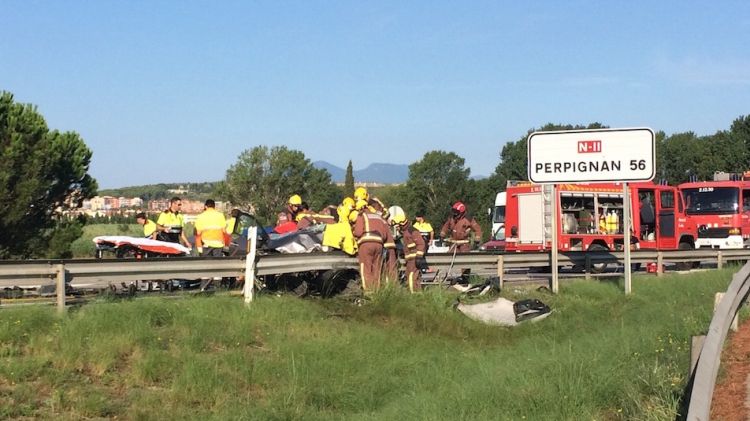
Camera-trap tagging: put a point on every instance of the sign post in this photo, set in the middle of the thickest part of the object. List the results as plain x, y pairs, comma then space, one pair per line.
626, 236
592, 156
554, 222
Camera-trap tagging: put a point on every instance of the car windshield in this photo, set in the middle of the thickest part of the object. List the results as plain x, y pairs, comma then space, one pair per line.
712, 200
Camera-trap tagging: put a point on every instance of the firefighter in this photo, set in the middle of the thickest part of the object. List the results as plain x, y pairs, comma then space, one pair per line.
373, 236
307, 218
170, 225
287, 219
458, 227
339, 235
425, 228
149, 226
210, 227
232, 221
414, 248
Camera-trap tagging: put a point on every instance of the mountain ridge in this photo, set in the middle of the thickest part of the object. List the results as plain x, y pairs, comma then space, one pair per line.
377, 172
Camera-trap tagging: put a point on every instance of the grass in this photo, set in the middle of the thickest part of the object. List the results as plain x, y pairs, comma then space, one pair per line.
600, 356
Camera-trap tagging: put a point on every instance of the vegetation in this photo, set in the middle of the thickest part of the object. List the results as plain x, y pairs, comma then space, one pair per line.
263, 179
196, 191
600, 355
43, 173
349, 179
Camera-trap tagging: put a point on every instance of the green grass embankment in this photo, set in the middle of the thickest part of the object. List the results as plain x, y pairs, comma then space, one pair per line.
601, 356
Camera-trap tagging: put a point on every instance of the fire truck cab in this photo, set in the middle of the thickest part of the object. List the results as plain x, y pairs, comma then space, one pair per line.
721, 210
590, 217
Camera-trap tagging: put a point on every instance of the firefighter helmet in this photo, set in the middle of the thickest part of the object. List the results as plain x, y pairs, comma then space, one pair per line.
348, 202
459, 207
295, 200
361, 194
397, 215
361, 204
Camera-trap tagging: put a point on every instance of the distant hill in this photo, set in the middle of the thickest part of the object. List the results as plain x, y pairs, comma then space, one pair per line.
337, 174
373, 173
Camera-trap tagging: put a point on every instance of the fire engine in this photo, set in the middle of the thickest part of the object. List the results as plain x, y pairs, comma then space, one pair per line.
720, 209
591, 217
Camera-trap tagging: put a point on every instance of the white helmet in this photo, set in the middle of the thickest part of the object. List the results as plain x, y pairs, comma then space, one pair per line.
396, 215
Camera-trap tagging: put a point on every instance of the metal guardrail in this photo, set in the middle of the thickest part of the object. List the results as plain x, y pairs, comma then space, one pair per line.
101, 273
94, 272
710, 356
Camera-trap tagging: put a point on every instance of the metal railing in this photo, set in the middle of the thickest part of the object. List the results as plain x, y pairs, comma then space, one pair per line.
92, 272
709, 359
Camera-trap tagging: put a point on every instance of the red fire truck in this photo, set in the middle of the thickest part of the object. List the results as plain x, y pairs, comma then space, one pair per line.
721, 210
591, 217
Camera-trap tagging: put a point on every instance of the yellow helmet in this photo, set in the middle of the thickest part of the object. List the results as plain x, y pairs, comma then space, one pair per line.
348, 202
398, 219
295, 200
361, 193
361, 204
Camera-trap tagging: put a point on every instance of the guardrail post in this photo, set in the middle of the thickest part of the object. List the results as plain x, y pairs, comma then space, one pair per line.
252, 234
659, 264
500, 271
587, 267
717, 300
61, 289
719, 260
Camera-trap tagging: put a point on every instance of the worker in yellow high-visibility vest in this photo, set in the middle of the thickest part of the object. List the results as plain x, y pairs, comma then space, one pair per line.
209, 230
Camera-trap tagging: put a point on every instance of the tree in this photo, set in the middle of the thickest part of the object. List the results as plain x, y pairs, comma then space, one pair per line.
435, 182
263, 178
740, 133
44, 174
349, 180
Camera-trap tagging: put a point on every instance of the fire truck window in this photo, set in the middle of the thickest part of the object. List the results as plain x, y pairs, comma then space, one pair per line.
610, 214
667, 199
570, 206
745, 200
647, 215
586, 221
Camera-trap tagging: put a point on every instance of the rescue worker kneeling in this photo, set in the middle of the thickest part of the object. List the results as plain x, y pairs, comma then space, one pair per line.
373, 235
414, 250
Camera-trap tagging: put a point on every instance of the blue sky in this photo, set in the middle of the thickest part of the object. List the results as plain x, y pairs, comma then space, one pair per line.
175, 91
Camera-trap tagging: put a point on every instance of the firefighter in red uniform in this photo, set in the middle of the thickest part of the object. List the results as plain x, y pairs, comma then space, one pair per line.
373, 235
459, 226
414, 249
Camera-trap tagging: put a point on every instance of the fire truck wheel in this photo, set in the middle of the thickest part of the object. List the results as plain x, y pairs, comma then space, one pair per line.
686, 265
598, 267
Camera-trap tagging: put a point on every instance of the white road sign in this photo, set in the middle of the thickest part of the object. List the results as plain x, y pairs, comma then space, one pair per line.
583, 156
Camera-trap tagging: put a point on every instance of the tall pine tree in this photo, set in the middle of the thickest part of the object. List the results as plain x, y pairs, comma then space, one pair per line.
349, 180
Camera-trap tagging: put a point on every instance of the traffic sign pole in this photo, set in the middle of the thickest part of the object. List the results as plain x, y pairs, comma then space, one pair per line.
626, 235
555, 281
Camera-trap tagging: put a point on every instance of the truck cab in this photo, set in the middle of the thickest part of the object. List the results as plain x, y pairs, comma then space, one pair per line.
721, 211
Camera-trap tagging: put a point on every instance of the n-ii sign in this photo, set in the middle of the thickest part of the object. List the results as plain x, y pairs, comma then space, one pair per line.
585, 156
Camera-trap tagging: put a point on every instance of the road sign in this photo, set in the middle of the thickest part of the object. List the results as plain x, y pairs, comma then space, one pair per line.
588, 156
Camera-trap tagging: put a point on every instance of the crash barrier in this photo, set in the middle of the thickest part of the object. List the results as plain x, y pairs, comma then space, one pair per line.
93, 273
709, 358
